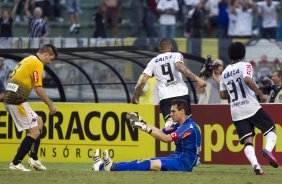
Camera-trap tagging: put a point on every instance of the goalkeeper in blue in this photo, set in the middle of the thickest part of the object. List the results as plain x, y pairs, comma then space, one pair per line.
184, 133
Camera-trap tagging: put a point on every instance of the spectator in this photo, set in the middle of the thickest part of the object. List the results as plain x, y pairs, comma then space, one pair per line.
194, 23
6, 21
211, 74
186, 7
143, 17
113, 15
244, 11
150, 13
57, 7
211, 7
38, 27
137, 17
168, 10
19, 10
45, 7
73, 9
232, 19
2, 89
280, 25
268, 14
276, 92
222, 20
100, 31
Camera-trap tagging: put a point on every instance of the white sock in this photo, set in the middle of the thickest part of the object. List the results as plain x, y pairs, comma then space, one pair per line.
270, 141
251, 155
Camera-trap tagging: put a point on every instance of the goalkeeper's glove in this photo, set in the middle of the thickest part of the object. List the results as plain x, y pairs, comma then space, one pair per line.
142, 126
134, 117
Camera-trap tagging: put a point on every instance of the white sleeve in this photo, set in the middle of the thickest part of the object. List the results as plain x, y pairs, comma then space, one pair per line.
222, 86
149, 70
178, 58
176, 6
247, 70
160, 5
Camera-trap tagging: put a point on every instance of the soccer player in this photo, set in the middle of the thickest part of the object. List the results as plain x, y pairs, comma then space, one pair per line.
28, 75
184, 133
237, 86
168, 68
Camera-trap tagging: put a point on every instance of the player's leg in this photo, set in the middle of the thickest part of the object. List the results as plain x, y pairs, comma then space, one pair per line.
33, 161
35, 147
165, 110
136, 165
262, 121
246, 133
19, 115
251, 156
173, 164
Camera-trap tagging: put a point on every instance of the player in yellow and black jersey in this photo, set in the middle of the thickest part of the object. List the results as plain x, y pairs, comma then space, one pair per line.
26, 76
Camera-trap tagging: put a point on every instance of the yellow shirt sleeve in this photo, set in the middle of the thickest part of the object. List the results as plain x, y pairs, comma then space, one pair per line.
37, 74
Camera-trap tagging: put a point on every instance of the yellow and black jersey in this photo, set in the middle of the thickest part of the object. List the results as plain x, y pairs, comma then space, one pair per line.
26, 75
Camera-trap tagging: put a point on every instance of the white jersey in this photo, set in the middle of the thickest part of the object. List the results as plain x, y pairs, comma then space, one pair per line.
169, 79
243, 101
269, 14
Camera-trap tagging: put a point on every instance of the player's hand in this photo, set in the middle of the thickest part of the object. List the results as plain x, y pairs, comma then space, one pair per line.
142, 126
134, 117
134, 100
202, 83
168, 124
52, 109
263, 98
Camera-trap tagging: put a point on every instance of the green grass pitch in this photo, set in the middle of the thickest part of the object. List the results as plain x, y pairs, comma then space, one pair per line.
73, 173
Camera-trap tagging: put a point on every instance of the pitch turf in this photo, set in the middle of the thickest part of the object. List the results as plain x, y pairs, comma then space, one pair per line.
65, 173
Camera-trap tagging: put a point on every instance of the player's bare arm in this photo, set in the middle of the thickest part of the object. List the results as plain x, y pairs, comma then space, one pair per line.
158, 134
200, 89
224, 95
188, 73
251, 84
139, 87
41, 93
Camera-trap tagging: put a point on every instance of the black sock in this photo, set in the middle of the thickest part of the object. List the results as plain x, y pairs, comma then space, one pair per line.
34, 149
23, 150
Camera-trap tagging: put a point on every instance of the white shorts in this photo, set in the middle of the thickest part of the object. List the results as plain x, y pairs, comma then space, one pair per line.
23, 116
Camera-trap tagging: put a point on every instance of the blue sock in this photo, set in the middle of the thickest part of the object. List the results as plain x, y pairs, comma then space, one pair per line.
101, 167
132, 166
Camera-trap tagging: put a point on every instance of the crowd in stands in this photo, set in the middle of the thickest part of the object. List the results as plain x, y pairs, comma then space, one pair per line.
158, 18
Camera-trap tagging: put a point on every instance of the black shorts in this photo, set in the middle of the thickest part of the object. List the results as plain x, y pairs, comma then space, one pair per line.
261, 120
165, 105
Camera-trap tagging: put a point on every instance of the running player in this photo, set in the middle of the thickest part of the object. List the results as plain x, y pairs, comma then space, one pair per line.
238, 86
168, 68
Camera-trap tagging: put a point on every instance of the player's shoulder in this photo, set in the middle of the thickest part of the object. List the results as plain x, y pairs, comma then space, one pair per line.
34, 61
176, 53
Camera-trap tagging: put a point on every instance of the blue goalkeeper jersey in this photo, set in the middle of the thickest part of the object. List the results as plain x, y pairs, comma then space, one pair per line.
186, 137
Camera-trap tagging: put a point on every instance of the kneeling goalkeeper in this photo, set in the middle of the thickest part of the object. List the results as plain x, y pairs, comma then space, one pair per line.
184, 133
